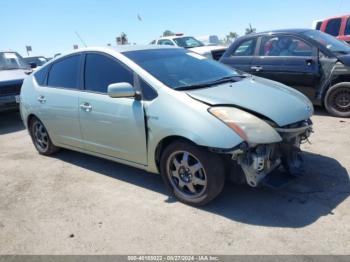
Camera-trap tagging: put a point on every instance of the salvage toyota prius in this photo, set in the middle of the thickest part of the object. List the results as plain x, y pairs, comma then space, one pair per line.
169, 111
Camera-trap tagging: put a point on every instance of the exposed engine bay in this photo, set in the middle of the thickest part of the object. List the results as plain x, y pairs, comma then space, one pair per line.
257, 161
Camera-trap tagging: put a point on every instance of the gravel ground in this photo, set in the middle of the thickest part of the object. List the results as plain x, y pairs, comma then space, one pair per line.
73, 203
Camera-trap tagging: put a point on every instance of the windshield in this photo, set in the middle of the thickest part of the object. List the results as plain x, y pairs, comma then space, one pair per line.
181, 69
188, 42
332, 43
11, 60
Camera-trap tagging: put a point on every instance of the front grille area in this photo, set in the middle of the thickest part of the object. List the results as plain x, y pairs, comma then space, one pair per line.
217, 54
10, 89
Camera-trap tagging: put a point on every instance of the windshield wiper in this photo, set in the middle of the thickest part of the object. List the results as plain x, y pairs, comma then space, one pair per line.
212, 83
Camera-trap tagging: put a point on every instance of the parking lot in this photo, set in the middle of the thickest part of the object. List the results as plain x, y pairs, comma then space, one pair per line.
72, 203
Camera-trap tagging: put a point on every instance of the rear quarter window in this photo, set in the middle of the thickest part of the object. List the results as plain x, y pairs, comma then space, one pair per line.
65, 72
246, 48
40, 76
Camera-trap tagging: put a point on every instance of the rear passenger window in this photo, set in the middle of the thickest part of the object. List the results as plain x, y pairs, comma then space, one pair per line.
40, 76
64, 73
101, 71
347, 27
246, 48
333, 27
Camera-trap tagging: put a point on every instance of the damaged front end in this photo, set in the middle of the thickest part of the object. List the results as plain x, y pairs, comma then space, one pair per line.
265, 145
259, 160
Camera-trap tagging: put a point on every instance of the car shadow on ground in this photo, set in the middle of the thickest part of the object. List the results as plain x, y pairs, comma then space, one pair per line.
10, 122
306, 199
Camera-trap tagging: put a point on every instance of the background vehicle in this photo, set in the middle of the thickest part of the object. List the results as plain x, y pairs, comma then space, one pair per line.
311, 61
161, 109
35, 61
338, 26
13, 69
317, 24
188, 42
209, 39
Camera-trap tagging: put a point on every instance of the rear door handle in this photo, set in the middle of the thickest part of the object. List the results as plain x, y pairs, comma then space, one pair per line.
257, 68
86, 107
42, 99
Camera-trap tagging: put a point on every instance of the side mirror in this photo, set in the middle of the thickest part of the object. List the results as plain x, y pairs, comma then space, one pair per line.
33, 65
118, 90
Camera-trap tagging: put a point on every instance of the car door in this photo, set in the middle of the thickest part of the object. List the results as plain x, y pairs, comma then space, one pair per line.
240, 55
289, 60
111, 126
58, 99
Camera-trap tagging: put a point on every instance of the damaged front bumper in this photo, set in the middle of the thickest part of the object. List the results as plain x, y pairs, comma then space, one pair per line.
257, 161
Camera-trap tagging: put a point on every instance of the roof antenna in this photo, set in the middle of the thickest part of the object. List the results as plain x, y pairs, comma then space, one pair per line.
76, 32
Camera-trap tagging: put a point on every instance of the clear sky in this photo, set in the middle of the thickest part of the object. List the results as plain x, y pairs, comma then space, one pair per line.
49, 26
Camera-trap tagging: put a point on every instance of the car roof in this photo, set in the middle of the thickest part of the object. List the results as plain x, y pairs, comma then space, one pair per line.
335, 17
281, 31
173, 36
119, 49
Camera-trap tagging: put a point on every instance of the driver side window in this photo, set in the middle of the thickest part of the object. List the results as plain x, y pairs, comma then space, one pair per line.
101, 71
283, 45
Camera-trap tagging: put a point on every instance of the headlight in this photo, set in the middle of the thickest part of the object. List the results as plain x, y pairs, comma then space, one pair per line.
249, 127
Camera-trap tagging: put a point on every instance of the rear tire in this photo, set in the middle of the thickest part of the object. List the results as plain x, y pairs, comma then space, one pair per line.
41, 138
337, 100
194, 175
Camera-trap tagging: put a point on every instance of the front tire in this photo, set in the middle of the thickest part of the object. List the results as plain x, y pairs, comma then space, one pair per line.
337, 100
194, 175
41, 138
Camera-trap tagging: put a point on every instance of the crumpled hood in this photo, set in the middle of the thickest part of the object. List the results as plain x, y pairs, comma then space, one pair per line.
280, 103
12, 75
206, 49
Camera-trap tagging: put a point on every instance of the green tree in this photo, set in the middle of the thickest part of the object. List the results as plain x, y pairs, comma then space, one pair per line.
122, 39
250, 30
168, 33
230, 37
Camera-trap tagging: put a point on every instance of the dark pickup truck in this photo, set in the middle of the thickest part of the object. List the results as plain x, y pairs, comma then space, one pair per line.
13, 69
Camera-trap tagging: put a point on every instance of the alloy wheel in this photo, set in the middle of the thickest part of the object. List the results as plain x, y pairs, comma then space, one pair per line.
41, 138
186, 174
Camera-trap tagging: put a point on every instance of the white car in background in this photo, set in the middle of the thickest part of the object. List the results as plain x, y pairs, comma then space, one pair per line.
209, 39
189, 42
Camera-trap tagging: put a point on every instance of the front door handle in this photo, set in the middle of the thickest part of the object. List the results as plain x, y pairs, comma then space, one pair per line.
309, 61
257, 68
86, 107
42, 99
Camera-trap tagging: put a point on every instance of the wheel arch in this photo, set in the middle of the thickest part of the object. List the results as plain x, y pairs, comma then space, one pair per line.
163, 143
30, 117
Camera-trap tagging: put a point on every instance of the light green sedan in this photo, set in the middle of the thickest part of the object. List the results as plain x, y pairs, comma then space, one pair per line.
169, 111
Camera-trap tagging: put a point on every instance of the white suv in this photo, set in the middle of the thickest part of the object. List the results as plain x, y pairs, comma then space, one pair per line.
213, 52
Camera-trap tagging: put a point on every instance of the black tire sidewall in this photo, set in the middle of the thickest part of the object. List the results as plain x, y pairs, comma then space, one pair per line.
212, 164
329, 104
51, 147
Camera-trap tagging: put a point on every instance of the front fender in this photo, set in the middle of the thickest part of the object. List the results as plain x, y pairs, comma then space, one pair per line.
179, 115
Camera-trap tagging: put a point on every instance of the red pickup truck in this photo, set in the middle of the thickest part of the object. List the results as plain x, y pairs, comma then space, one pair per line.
338, 26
